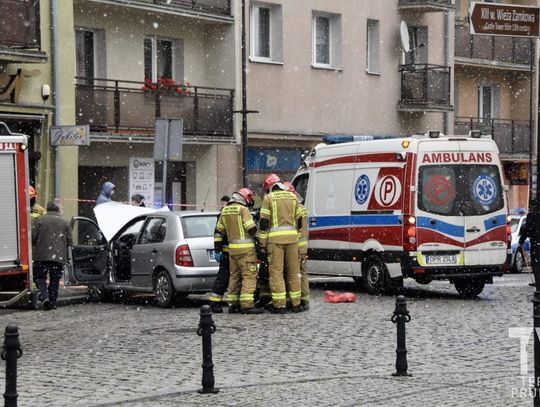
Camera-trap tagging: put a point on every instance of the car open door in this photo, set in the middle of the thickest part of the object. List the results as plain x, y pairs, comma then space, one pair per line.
89, 254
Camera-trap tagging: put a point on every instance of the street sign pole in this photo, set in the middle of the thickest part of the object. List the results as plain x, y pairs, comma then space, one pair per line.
165, 160
169, 135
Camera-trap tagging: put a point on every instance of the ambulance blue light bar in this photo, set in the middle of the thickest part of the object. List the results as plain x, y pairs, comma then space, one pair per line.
338, 138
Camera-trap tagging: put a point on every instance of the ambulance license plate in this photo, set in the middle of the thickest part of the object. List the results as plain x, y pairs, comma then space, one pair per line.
441, 259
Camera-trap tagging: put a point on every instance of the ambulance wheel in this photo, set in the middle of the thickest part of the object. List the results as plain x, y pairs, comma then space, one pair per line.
517, 267
373, 275
469, 288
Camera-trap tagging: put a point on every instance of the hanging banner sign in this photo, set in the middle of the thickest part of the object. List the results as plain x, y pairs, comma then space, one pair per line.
70, 135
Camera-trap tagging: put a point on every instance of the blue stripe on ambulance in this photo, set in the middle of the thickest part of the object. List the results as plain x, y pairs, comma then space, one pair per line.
440, 226
353, 220
500, 220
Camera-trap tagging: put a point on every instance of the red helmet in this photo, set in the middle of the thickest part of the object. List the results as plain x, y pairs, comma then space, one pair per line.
290, 187
269, 181
32, 192
247, 194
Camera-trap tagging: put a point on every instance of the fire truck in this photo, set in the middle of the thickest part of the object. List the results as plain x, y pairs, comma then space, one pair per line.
426, 207
15, 228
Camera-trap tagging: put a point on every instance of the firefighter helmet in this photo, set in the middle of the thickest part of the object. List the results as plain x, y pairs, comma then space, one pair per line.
32, 192
247, 194
290, 187
269, 181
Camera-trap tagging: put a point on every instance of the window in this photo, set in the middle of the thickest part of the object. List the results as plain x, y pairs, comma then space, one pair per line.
488, 102
198, 226
300, 184
266, 33
373, 47
154, 231
163, 59
418, 40
84, 56
326, 40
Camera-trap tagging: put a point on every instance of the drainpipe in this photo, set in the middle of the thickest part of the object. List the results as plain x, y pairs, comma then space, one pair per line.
446, 58
56, 88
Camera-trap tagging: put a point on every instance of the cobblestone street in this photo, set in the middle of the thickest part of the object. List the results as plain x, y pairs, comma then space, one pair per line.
136, 354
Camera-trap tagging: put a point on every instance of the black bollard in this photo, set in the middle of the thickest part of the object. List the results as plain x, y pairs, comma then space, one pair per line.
400, 317
10, 353
206, 329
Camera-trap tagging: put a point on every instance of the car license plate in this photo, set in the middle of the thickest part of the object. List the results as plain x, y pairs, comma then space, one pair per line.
211, 254
441, 259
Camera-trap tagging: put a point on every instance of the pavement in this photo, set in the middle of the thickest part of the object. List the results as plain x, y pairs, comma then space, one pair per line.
136, 354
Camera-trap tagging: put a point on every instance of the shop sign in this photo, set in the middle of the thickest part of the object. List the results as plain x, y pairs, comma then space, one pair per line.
269, 160
141, 178
70, 135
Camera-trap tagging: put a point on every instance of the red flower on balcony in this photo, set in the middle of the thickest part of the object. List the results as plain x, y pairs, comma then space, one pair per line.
167, 85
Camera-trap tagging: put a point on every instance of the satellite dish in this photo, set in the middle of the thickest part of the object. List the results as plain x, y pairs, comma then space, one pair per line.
404, 36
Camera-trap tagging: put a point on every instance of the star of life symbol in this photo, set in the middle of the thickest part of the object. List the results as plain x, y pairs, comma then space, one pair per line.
361, 192
484, 190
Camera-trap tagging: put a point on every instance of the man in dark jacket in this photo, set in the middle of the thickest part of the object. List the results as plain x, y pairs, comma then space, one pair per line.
528, 230
107, 192
51, 236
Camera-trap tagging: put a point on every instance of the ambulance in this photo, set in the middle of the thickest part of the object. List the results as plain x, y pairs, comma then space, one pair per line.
15, 240
428, 207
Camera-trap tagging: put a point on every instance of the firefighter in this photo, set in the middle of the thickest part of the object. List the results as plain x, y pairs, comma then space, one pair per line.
36, 210
236, 222
302, 247
221, 249
278, 238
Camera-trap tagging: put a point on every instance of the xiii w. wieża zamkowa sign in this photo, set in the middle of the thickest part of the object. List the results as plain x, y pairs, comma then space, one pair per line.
504, 19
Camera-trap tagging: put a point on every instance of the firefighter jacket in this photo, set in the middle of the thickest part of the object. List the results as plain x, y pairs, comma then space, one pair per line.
303, 233
236, 223
280, 217
221, 242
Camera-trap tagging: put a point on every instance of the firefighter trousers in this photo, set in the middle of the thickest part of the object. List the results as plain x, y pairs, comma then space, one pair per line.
284, 268
222, 279
304, 282
242, 279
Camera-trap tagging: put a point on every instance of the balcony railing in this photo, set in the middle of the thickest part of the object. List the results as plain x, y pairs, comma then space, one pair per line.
425, 87
127, 107
221, 7
509, 50
511, 136
19, 24
426, 6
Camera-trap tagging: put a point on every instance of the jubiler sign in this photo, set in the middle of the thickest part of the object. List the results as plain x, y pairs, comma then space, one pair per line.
504, 19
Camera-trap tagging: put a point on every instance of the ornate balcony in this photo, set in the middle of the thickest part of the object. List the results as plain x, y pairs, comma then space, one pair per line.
492, 50
128, 108
511, 136
426, 6
19, 31
425, 87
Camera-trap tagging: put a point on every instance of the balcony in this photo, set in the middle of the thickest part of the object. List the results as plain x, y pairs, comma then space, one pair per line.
220, 8
491, 50
426, 6
19, 32
511, 136
425, 88
127, 108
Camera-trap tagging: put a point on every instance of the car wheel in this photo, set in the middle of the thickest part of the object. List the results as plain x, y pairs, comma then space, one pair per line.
373, 274
164, 289
469, 288
517, 267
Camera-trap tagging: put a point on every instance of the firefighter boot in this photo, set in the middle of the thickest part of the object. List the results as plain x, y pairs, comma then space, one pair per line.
216, 307
252, 310
234, 309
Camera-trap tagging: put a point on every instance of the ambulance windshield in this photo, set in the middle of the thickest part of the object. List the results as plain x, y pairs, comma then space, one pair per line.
459, 190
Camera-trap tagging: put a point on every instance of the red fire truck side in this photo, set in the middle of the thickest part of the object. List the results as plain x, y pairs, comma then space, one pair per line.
15, 227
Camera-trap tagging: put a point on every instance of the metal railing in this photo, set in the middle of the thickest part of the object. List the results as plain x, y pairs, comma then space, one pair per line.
511, 136
19, 24
513, 50
222, 7
440, 4
425, 86
109, 105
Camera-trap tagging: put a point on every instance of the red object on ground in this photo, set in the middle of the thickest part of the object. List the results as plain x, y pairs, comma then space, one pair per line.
333, 297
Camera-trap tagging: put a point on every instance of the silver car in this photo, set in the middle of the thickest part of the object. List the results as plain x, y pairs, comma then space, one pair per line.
170, 254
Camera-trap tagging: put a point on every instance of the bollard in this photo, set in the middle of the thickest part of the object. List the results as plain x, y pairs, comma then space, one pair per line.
400, 317
206, 329
10, 353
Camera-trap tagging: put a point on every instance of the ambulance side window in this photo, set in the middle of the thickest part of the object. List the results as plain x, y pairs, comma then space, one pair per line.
300, 184
332, 191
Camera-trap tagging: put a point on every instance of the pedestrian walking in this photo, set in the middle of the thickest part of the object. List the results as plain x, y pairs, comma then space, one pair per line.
221, 253
107, 192
36, 210
278, 238
236, 222
528, 230
51, 236
138, 200
302, 247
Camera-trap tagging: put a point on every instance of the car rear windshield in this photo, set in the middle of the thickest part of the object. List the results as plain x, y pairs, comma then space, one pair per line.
459, 190
198, 226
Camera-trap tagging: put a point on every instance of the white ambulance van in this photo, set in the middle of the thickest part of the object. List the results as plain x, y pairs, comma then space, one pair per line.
427, 207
